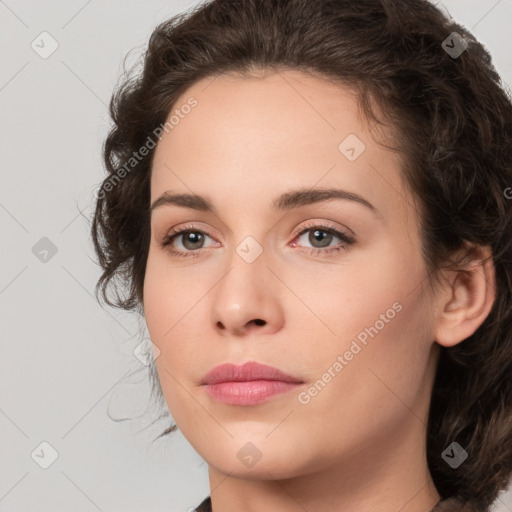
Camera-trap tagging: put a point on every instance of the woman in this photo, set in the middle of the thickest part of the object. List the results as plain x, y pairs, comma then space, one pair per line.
309, 202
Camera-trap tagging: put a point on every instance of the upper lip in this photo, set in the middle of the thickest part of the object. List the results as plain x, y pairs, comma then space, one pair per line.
249, 371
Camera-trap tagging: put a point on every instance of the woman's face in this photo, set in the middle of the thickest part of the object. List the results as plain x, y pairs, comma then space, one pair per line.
332, 292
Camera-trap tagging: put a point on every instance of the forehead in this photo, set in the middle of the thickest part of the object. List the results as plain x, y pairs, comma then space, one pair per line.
267, 132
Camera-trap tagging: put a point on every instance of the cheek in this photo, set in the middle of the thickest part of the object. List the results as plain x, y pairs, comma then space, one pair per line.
379, 313
166, 302
371, 332
176, 318
157, 302
169, 310
170, 296
370, 381
367, 292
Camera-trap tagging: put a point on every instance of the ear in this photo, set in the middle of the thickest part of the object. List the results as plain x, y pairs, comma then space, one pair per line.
467, 298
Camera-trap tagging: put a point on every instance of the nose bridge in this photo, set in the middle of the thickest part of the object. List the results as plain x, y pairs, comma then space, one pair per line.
248, 275
247, 295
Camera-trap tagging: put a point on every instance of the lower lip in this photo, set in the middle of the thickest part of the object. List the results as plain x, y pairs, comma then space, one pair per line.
249, 392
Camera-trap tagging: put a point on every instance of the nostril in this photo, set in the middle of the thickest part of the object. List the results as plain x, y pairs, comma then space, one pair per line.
259, 322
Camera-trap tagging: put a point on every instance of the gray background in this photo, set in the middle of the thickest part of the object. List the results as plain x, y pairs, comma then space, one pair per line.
65, 360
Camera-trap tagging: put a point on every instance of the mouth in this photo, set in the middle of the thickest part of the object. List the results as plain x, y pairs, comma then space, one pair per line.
249, 384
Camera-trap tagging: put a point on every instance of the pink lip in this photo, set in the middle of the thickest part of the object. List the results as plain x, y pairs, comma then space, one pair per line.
248, 384
249, 371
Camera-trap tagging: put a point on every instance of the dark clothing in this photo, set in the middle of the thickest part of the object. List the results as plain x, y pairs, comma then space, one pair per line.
205, 506
446, 505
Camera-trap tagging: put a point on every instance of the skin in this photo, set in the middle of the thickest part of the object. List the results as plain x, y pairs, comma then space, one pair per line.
359, 443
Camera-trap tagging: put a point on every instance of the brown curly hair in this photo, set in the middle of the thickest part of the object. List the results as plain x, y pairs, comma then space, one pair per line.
452, 120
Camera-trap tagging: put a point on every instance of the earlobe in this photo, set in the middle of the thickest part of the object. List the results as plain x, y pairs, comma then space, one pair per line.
471, 293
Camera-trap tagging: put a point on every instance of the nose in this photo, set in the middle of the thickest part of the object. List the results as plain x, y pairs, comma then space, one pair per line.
247, 300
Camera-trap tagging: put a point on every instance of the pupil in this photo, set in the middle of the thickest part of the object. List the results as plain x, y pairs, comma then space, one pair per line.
193, 238
322, 235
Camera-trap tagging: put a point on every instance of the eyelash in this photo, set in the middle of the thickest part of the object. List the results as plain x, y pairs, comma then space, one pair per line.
169, 238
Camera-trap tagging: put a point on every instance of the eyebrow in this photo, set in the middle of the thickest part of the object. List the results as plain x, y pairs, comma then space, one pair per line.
286, 201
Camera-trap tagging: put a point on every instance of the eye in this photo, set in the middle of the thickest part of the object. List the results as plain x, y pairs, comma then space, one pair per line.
321, 237
192, 239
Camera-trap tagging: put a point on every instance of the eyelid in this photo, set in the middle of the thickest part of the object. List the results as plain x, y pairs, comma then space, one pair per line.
324, 224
